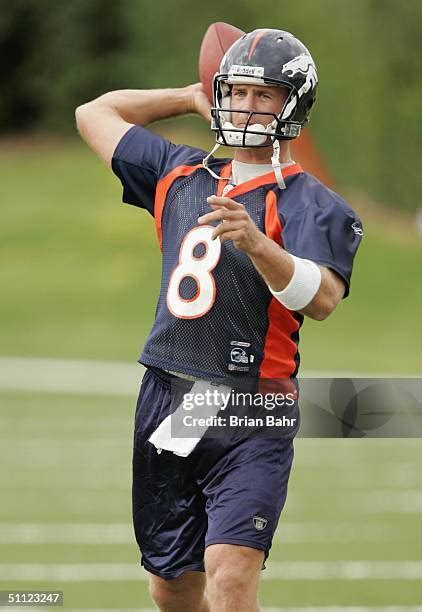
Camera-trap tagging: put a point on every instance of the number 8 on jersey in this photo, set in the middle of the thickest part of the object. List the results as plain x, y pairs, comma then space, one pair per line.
198, 268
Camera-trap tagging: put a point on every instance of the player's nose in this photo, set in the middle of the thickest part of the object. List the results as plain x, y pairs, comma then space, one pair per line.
249, 100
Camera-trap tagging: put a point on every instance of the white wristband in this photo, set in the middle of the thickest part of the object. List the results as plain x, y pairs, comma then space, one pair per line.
302, 287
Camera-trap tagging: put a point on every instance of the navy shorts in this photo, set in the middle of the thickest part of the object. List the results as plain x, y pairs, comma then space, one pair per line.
224, 492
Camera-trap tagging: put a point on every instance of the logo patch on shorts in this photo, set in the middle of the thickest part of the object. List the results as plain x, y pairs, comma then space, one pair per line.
357, 228
259, 523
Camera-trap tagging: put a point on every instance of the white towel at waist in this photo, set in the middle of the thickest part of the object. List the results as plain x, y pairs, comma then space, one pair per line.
162, 439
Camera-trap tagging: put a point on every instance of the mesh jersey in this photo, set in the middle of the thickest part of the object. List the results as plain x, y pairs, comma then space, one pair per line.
215, 316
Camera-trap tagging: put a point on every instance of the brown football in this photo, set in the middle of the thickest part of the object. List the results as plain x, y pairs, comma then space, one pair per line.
217, 39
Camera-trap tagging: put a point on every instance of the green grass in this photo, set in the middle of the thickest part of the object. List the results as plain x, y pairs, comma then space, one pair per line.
67, 459
81, 273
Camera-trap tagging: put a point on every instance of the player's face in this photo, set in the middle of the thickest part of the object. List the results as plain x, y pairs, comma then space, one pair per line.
258, 99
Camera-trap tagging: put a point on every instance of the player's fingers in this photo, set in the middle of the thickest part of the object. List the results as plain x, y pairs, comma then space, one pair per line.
219, 214
234, 235
216, 215
223, 228
231, 212
227, 202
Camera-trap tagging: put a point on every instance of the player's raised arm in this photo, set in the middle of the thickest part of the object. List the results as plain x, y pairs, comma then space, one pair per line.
103, 121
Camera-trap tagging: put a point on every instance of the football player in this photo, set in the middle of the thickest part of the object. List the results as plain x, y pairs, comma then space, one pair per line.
250, 246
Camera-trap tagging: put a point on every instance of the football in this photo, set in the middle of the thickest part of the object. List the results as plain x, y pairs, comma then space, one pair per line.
217, 39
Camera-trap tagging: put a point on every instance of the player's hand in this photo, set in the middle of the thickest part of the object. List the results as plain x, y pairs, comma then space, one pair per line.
236, 224
199, 102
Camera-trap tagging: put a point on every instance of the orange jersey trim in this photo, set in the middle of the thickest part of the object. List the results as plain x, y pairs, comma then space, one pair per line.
163, 186
279, 349
224, 174
254, 183
273, 227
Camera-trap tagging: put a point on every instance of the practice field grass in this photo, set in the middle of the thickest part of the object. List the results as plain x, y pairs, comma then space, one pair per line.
65, 512
81, 273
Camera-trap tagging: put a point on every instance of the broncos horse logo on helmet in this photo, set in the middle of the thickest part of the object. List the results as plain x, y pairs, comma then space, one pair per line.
304, 65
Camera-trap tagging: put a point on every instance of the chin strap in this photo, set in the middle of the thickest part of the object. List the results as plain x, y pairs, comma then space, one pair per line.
205, 163
275, 162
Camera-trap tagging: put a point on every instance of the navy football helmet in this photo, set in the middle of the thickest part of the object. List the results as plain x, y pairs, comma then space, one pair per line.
264, 57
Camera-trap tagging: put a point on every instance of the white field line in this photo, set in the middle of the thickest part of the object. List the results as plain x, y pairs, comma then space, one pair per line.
107, 482
354, 461
382, 501
338, 453
101, 377
323, 460
348, 454
61, 421
371, 503
69, 376
282, 570
40, 452
35, 452
122, 533
66, 533
117, 480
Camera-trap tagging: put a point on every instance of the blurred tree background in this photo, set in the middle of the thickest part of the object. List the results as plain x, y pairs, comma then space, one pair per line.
366, 123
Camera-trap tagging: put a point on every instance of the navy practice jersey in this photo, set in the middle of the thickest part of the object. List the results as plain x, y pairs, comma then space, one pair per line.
215, 316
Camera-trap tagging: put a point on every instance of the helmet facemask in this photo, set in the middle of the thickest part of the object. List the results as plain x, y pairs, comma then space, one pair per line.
253, 133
